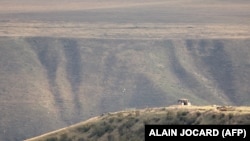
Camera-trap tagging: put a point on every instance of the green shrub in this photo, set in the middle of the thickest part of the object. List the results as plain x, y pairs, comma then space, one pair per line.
83, 129
111, 138
230, 116
111, 120
64, 137
156, 119
81, 139
52, 139
213, 116
198, 114
119, 119
169, 116
182, 113
222, 116
100, 129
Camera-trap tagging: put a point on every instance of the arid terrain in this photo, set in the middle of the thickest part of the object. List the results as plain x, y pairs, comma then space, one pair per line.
129, 125
64, 62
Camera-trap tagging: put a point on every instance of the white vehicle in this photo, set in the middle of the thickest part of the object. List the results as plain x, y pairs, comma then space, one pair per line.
184, 102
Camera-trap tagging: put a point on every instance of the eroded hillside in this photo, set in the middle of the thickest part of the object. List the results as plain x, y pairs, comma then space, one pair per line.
53, 82
64, 62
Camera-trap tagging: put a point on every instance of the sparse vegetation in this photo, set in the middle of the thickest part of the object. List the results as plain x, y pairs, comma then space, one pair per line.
131, 126
83, 129
62, 62
52, 139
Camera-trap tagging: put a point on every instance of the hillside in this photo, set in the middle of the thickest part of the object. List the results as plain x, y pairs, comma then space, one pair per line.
129, 125
64, 62
58, 81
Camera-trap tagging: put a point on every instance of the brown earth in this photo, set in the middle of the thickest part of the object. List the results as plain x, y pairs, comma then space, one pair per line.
62, 63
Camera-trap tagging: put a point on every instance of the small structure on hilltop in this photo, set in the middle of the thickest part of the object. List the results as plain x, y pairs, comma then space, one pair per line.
184, 102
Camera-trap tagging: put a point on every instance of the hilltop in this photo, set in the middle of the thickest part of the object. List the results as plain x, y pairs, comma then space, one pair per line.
129, 125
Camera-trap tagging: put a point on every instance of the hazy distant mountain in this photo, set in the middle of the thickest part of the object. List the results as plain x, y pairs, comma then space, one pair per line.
62, 63
48, 83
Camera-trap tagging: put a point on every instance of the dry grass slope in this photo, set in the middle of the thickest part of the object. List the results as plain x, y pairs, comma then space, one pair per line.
64, 62
61, 81
129, 125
